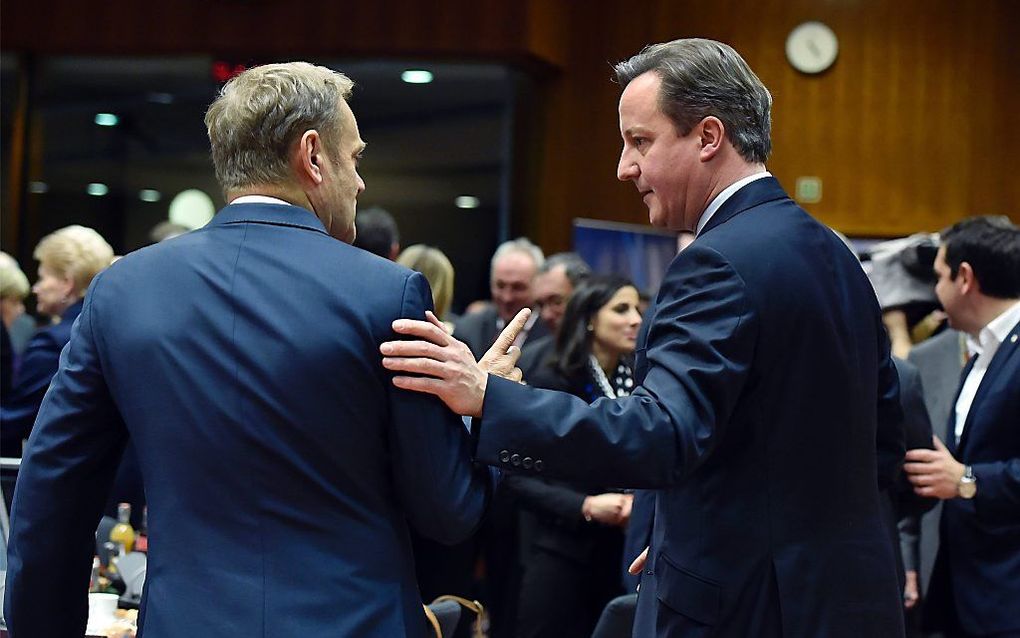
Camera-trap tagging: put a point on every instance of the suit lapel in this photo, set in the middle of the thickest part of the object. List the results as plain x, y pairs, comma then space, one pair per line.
760, 191
1006, 350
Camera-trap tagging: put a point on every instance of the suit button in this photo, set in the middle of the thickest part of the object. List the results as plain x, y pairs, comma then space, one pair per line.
504, 456
515, 460
538, 465
527, 462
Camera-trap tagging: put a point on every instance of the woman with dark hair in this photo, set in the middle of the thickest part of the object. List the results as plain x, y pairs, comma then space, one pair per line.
573, 534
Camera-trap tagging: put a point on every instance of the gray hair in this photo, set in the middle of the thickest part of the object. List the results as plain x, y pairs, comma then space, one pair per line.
574, 267
702, 78
261, 113
519, 245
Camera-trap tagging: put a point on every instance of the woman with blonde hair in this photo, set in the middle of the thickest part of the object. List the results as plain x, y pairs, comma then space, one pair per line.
437, 269
68, 260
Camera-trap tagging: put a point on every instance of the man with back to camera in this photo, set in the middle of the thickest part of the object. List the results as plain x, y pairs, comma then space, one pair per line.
281, 466
974, 584
766, 382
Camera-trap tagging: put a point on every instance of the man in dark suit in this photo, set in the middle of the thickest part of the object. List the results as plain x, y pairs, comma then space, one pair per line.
974, 585
511, 280
766, 382
281, 466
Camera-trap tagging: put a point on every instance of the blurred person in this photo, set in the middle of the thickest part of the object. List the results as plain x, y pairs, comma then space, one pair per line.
976, 472
165, 230
239, 358
69, 259
438, 271
559, 275
14, 289
377, 233
767, 444
577, 539
514, 267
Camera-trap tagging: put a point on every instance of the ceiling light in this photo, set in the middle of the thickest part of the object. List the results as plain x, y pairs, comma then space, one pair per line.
467, 201
38, 187
97, 190
149, 195
416, 76
106, 119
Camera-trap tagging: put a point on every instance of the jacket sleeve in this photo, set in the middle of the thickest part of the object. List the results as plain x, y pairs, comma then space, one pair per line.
69, 465
700, 352
889, 432
443, 493
917, 434
997, 501
38, 365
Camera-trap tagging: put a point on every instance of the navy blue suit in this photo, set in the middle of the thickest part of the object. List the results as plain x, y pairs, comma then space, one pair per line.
281, 466
976, 577
38, 365
766, 386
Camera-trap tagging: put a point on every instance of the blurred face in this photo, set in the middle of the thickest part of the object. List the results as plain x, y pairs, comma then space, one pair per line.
664, 166
950, 292
615, 326
552, 290
511, 284
341, 185
53, 293
10, 309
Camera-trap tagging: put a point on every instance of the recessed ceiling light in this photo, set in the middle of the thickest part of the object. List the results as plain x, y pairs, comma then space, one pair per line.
467, 201
106, 119
416, 76
149, 195
97, 189
38, 187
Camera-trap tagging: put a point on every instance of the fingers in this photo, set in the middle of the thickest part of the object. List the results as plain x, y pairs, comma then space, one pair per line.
923, 455
516, 375
639, 563
509, 334
418, 384
423, 330
513, 353
412, 349
429, 367
917, 468
939, 445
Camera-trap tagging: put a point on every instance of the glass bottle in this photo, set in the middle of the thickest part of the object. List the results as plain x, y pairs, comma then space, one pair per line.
122, 533
142, 541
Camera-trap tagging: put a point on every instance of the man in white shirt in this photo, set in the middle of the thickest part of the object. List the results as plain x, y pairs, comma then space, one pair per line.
974, 585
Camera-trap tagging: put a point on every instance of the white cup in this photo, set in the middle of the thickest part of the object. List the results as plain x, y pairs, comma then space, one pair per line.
101, 610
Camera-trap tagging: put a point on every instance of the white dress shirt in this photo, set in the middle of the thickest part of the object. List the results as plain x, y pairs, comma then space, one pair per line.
258, 199
989, 340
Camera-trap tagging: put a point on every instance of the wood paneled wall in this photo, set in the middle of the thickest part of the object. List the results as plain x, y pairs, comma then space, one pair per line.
913, 128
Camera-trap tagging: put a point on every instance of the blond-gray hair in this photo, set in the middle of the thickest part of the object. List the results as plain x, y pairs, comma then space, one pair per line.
261, 113
13, 282
75, 252
438, 271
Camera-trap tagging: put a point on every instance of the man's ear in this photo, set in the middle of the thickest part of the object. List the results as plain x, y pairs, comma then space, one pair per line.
966, 280
308, 157
712, 134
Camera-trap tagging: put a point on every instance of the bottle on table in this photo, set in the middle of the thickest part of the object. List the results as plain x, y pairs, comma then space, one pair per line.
122, 533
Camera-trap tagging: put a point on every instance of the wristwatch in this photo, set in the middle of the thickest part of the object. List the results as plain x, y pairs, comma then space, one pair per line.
967, 487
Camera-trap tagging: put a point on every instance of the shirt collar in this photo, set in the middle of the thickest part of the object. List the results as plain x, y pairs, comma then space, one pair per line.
727, 192
258, 199
997, 330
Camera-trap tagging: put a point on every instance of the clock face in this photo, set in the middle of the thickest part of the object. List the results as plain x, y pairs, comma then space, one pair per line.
812, 47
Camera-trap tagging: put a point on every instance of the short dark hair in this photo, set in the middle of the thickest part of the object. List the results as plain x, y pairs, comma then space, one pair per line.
376, 231
573, 341
702, 78
991, 245
574, 267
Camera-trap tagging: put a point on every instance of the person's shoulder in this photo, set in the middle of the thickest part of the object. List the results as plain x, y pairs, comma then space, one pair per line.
943, 344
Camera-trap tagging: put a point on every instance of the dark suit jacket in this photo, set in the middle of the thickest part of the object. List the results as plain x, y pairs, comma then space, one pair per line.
939, 360
38, 365
478, 330
766, 385
979, 551
281, 465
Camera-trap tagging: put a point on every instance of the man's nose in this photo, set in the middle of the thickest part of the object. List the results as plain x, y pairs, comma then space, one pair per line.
626, 170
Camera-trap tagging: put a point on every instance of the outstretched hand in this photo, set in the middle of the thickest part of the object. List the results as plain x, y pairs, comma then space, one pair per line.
445, 366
